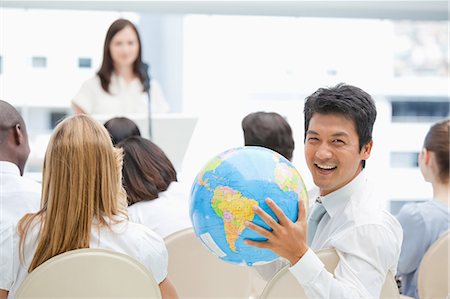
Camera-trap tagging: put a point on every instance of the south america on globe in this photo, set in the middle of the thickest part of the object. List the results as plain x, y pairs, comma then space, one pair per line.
225, 191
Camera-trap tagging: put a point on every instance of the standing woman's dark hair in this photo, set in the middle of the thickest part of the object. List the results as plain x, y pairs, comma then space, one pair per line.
146, 169
437, 142
108, 64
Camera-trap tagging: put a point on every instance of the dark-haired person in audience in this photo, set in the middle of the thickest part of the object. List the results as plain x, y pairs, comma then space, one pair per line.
155, 198
345, 215
423, 223
120, 128
83, 206
18, 195
270, 130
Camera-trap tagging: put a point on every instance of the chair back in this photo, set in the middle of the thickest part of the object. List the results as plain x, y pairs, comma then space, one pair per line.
90, 273
433, 276
197, 273
285, 285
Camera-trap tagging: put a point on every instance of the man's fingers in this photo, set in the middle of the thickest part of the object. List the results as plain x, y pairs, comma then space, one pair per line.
301, 211
278, 212
258, 229
257, 244
266, 217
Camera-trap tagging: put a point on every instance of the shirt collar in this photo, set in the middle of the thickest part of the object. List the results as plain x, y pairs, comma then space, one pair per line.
337, 200
9, 168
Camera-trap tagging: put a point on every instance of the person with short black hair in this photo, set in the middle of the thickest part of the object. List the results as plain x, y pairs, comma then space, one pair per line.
269, 130
345, 215
18, 195
120, 128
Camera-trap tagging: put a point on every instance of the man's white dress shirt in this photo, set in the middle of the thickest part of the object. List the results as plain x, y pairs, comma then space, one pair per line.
367, 240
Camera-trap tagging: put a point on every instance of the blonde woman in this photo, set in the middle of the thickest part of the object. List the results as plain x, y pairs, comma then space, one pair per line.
84, 205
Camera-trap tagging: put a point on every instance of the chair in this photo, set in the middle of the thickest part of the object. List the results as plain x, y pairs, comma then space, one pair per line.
197, 273
433, 277
90, 273
284, 284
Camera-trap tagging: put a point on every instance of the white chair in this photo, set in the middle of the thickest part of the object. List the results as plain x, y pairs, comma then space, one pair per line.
90, 273
284, 284
197, 273
433, 277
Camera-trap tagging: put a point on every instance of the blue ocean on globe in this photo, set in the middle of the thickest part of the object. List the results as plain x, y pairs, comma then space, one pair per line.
225, 191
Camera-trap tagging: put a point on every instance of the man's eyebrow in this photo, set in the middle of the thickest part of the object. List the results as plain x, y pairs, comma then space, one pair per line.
311, 132
339, 134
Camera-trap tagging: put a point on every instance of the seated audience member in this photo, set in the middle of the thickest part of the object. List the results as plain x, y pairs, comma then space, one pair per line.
19, 195
83, 206
423, 223
155, 198
120, 128
269, 130
346, 215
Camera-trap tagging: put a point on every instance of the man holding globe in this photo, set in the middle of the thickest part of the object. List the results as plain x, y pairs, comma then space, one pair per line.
345, 216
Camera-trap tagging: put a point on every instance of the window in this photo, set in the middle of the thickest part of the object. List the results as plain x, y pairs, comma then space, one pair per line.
419, 109
56, 117
84, 62
404, 159
39, 62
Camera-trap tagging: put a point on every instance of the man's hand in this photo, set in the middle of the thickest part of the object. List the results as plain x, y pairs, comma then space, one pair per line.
287, 238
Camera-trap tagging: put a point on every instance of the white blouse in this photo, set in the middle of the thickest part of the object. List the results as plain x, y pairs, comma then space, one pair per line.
166, 214
125, 237
125, 99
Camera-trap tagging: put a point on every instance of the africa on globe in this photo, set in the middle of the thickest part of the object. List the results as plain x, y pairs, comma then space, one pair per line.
225, 191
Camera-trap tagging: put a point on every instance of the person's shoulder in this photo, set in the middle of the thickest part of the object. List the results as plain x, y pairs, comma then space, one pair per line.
143, 233
411, 208
22, 184
31, 185
91, 82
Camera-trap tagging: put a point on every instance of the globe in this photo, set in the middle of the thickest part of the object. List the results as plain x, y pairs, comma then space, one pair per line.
225, 191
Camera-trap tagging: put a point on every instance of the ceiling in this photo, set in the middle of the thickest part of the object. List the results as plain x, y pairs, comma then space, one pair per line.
397, 10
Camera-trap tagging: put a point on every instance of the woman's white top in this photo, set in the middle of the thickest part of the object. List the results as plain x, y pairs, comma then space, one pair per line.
125, 99
125, 237
166, 214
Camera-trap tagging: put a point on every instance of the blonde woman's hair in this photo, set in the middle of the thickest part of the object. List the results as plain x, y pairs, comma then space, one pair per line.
82, 183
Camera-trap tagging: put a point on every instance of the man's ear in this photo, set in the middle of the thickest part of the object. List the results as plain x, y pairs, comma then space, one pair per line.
19, 137
366, 149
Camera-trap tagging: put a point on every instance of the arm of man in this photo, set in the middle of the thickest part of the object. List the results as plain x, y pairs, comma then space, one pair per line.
3, 294
358, 274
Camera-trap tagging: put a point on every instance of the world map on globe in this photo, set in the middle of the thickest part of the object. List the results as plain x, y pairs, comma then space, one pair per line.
225, 191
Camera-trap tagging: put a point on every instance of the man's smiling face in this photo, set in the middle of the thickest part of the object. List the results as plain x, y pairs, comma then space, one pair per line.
332, 151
